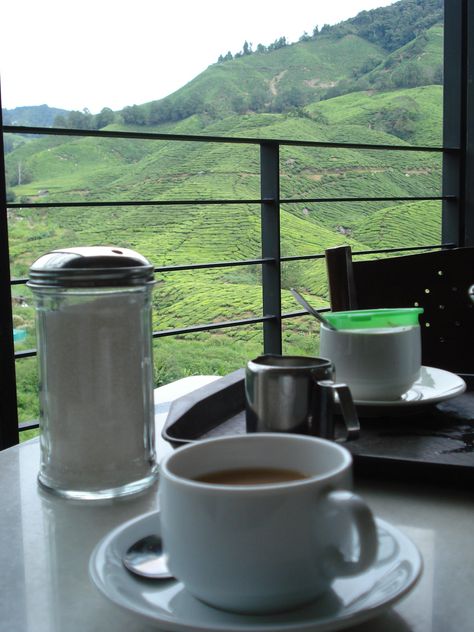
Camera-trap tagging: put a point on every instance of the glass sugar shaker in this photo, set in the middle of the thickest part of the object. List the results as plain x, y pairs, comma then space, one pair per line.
94, 336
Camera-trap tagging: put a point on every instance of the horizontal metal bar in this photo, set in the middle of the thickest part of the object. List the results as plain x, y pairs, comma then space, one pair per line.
301, 257
405, 249
217, 264
379, 251
180, 330
297, 314
28, 425
189, 266
249, 262
28, 353
114, 203
237, 323
210, 326
34, 424
91, 204
57, 131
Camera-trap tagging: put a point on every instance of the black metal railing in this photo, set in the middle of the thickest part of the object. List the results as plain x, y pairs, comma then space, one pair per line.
269, 201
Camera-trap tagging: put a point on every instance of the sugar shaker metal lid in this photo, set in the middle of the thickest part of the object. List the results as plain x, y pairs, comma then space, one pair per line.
93, 266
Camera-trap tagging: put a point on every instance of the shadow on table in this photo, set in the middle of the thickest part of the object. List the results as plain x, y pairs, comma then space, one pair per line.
390, 621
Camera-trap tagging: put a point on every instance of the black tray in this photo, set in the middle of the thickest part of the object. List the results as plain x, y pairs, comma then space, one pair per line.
432, 442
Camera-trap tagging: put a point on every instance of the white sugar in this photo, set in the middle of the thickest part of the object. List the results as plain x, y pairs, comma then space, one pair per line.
97, 392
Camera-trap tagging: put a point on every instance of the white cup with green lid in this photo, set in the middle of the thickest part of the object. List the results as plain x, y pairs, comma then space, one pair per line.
376, 352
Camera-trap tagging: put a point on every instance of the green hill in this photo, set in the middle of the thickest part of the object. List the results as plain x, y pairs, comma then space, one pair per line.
288, 77
392, 47
32, 115
412, 114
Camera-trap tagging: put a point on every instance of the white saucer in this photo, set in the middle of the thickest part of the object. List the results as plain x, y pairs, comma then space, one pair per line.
167, 603
434, 385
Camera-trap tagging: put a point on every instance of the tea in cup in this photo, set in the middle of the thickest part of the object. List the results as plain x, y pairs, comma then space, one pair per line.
376, 352
264, 522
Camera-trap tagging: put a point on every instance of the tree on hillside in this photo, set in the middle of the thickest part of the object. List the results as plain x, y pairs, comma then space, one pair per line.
290, 98
411, 75
240, 103
80, 120
367, 66
399, 120
8, 145
227, 57
281, 42
134, 115
20, 174
393, 26
305, 37
104, 118
247, 48
59, 121
76, 120
193, 103
258, 99
159, 112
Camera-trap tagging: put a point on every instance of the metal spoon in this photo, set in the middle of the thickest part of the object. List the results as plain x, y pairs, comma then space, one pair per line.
146, 558
311, 310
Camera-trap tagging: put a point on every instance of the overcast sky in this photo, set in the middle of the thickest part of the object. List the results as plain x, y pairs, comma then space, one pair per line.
112, 53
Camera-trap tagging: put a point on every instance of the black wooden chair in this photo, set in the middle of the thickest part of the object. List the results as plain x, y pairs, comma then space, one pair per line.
437, 281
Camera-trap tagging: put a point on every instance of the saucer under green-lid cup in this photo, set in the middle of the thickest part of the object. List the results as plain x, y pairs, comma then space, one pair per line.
93, 313
377, 353
248, 546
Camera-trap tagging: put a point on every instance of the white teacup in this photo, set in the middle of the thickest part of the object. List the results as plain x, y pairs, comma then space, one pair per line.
377, 364
261, 547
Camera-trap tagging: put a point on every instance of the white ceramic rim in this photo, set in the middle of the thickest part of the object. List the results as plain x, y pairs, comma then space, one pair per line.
344, 465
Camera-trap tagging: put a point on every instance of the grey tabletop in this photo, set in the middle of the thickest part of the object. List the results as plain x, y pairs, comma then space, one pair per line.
46, 543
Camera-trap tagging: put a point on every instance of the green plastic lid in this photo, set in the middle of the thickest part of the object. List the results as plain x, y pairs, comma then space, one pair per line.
372, 318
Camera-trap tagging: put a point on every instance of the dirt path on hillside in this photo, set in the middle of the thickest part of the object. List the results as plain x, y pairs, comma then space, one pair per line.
338, 171
275, 81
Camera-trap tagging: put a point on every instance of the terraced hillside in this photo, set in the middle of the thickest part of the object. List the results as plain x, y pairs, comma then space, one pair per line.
171, 235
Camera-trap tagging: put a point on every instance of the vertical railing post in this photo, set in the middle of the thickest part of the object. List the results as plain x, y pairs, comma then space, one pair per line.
270, 221
469, 164
458, 123
8, 402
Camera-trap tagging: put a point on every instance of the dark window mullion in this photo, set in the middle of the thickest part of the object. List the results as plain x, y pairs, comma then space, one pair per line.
8, 401
454, 121
271, 270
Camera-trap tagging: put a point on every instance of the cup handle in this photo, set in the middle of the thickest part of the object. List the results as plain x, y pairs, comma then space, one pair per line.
362, 519
348, 410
